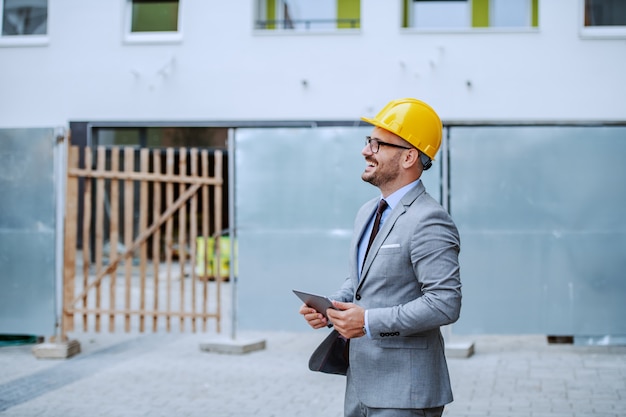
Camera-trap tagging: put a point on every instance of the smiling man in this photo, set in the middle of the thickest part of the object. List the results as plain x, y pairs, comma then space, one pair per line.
404, 281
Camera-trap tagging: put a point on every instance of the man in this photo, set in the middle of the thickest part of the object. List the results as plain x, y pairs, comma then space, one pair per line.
407, 285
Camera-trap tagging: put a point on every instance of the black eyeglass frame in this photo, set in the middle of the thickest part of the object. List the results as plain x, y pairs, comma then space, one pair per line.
369, 139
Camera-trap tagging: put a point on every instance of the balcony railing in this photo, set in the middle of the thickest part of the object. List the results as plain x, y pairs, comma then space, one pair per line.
308, 24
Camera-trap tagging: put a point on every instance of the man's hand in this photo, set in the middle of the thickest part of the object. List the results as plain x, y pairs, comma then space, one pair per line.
313, 317
348, 319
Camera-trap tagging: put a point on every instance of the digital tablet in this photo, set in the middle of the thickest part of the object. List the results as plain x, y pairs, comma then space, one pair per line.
318, 302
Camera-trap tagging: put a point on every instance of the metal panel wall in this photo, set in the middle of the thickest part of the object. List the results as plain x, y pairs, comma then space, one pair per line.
296, 193
543, 233
27, 231
540, 211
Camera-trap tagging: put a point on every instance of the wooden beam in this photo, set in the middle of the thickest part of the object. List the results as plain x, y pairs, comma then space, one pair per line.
140, 176
114, 233
69, 246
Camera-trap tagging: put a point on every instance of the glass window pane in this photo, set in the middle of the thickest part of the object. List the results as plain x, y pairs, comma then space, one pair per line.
440, 14
509, 13
307, 14
202, 137
154, 16
605, 13
116, 136
24, 17
157, 137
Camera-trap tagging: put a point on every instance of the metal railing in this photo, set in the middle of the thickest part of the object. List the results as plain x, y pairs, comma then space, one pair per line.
307, 24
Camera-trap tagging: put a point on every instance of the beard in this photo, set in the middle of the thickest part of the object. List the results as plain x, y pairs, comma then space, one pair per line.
385, 173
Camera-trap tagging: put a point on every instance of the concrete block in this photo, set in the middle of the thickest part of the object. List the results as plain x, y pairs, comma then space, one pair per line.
57, 350
459, 349
233, 346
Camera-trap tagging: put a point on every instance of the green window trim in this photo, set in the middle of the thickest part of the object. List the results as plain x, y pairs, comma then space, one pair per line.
534, 13
348, 14
270, 14
480, 13
405, 13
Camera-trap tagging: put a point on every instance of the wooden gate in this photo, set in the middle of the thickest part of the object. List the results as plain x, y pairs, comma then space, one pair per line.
141, 225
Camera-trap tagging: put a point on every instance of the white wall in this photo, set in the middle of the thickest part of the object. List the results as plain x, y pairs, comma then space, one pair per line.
223, 70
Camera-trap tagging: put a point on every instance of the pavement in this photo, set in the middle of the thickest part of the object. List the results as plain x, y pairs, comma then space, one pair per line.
167, 374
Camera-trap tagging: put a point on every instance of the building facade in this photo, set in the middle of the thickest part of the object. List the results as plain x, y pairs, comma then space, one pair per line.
531, 93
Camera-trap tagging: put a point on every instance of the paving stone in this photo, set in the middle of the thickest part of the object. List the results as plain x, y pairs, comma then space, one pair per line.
170, 375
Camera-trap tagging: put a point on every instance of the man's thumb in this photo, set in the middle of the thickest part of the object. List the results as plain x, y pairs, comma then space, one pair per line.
340, 306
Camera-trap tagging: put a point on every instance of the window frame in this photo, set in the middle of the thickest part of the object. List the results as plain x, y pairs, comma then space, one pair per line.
160, 37
24, 40
598, 32
261, 11
475, 22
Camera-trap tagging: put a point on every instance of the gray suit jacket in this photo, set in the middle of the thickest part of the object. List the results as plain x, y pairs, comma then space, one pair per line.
410, 286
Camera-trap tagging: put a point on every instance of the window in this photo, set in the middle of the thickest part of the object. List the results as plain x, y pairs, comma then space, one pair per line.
154, 16
161, 137
604, 18
465, 14
605, 13
24, 17
308, 15
153, 20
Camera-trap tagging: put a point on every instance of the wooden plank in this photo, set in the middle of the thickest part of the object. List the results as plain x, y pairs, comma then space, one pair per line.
169, 235
217, 209
129, 166
99, 229
156, 237
69, 245
114, 234
135, 312
182, 241
205, 235
193, 231
138, 176
143, 225
87, 209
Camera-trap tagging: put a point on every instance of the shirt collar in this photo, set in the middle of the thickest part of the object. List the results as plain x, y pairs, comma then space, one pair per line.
394, 199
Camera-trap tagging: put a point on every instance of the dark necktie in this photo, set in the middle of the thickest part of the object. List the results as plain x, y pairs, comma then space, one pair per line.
382, 205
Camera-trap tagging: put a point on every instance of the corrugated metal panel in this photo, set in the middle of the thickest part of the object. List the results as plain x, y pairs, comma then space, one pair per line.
297, 191
543, 233
27, 232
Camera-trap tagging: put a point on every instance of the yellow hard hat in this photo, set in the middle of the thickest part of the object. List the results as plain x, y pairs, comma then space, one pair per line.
412, 120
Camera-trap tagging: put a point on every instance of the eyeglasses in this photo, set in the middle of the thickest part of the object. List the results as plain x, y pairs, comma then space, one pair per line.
375, 144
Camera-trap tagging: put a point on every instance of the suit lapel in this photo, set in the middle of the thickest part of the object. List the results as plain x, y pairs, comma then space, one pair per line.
395, 214
360, 224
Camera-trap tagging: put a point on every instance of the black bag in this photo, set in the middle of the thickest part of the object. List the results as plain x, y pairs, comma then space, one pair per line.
331, 356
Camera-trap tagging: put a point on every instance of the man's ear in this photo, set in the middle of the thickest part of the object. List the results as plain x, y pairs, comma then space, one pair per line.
411, 158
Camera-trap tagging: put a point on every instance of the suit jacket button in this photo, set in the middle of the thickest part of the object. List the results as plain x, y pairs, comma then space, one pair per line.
358, 296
